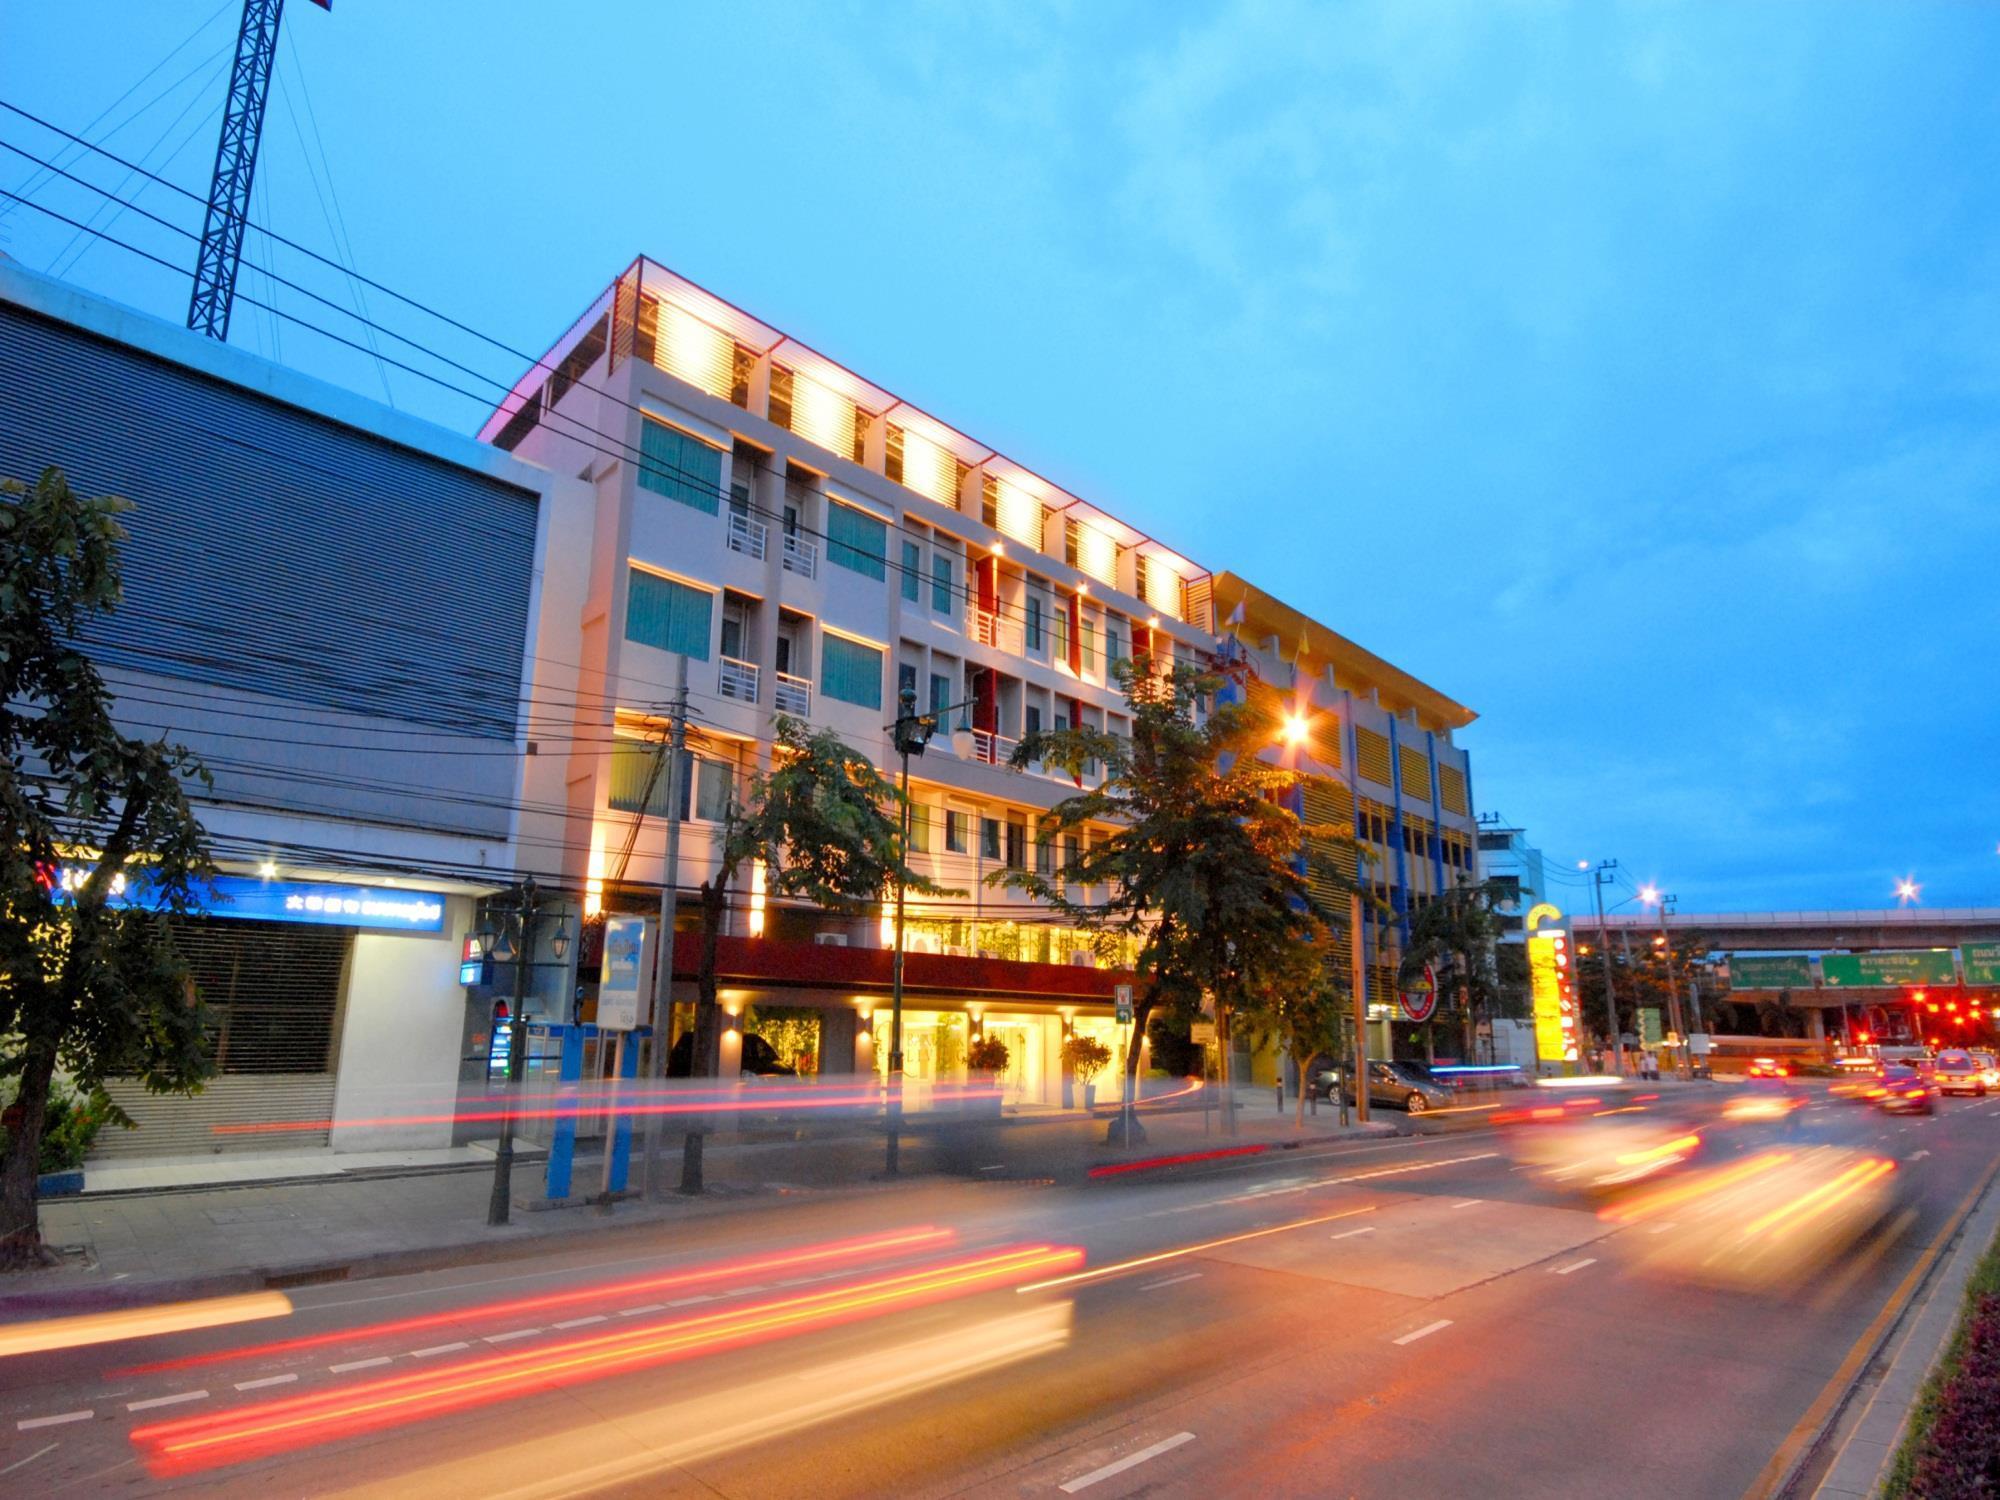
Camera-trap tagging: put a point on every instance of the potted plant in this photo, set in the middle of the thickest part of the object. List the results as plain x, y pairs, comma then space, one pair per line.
69, 1126
1086, 1057
986, 1059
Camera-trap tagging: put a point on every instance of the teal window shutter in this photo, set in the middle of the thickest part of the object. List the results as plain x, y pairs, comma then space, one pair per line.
857, 541
850, 671
679, 466
632, 765
941, 583
672, 616
913, 569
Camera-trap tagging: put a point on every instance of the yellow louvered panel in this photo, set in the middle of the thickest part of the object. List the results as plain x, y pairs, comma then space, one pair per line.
1416, 775
1371, 750
1451, 790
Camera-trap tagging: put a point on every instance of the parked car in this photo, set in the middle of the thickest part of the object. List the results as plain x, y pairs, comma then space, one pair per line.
1768, 1067
1959, 1072
1403, 1085
759, 1060
1905, 1091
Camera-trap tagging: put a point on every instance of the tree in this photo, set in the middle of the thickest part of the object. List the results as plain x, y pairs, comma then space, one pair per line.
1454, 934
828, 828
89, 984
1201, 863
1294, 1000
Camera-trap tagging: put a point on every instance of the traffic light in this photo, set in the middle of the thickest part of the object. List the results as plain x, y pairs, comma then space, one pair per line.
1861, 1037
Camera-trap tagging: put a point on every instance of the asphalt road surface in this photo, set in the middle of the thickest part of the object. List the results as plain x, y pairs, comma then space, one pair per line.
1437, 1315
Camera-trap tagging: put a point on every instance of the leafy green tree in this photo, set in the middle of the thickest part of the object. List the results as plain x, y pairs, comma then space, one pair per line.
1186, 837
97, 989
1294, 1000
828, 828
1454, 934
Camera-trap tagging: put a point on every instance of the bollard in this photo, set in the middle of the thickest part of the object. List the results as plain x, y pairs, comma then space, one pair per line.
1281, 1095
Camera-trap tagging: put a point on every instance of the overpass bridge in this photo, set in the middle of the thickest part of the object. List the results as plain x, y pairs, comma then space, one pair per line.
1900, 927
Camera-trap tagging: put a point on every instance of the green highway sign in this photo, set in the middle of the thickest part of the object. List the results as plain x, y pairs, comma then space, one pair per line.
1982, 962
1791, 971
1884, 970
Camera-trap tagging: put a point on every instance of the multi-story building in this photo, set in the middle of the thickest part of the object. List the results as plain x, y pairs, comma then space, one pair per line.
1512, 867
355, 619
1376, 749
803, 542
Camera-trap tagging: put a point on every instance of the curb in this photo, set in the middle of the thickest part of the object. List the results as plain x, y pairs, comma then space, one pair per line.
1808, 1441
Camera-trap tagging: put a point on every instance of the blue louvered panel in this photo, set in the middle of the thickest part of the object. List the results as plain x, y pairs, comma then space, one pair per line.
274, 550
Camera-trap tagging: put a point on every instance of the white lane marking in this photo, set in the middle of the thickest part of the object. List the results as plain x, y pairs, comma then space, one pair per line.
638, 1312
1468, 1203
23, 1463
1916, 1156
359, 1364
1422, 1166
1151, 1286
1424, 1332
443, 1349
518, 1333
1659, 1229
258, 1385
28, 1424
1129, 1461
1575, 1265
579, 1322
174, 1400
690, 1301
1348, 1234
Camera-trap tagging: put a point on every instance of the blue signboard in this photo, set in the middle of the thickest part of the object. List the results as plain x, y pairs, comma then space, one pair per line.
321, 903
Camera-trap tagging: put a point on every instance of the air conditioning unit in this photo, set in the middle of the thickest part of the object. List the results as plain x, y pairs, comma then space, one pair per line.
830, 939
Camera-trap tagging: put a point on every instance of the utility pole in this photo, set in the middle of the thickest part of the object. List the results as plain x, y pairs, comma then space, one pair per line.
663, 966
1597, 879
1357, 979
501, 1202
1674, 989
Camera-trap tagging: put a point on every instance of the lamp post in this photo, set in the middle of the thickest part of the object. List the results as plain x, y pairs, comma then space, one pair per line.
1651, 895
1598, 877
519, 949
911, 734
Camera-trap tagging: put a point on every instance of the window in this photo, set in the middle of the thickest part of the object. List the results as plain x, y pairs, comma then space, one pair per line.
856, 541
1114, 644
680, 466
850, 671
1045, 858
954, 831
780, 404
906, 681
913, 570
892, 452
1034, 718
1061, 635
705, 783
941, 582
940, 693
732, 632
1017, 844
1072, 851
638, 774
989, 838
1090, 644
1034, 626
672, 616
920, 828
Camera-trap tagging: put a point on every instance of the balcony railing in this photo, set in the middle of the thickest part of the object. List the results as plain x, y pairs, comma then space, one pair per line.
737, 679
747, 535
793, 695
801, 556
994, 749
990, 629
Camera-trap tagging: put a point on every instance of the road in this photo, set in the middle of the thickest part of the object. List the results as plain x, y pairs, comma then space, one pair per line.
1430, 1315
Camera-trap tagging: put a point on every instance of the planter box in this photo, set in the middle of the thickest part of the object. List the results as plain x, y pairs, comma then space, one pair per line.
59, 1184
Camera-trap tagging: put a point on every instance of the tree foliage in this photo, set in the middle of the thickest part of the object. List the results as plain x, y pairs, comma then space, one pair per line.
827, 826
1293, 998
1454, 934
89, 985
1187, 838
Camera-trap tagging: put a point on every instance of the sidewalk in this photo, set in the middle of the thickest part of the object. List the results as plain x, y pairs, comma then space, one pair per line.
205, 1240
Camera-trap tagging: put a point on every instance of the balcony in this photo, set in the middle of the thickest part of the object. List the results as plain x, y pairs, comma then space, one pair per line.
793, 695
993, 749
989, 629
747, 536
737, 679
801, 556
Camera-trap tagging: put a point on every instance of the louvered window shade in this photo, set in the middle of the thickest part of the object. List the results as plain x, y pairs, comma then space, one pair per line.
1451, 790
1372, 751
681, 467
1416, 775
672, 616
856, 541
850, 671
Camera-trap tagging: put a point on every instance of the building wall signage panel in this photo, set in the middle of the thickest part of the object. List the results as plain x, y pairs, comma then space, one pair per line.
315, 902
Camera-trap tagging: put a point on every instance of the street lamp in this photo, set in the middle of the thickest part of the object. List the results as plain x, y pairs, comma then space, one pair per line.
1907, 889
911, 735
524, 911
1296, 729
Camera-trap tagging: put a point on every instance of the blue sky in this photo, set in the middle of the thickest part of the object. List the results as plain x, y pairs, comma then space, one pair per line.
1627, 371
